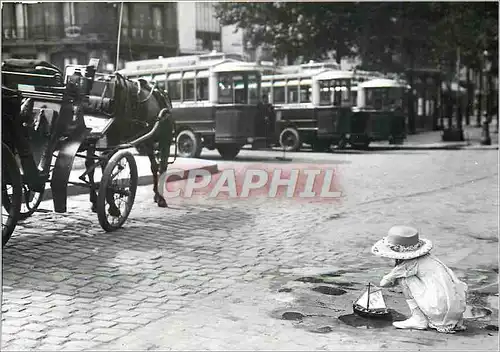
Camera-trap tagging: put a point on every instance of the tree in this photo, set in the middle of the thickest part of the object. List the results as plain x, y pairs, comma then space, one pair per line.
310, 30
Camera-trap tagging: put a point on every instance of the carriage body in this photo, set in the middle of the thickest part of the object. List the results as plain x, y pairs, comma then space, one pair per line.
52, 131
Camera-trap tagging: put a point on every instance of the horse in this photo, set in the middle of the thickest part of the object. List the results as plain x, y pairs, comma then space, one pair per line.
135, 106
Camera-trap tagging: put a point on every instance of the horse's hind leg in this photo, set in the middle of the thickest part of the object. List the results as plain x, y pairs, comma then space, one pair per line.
89, 164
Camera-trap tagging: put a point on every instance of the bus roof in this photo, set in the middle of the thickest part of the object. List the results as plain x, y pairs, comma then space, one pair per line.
382, 83
294, 75
335, 74
238, 66
179, 62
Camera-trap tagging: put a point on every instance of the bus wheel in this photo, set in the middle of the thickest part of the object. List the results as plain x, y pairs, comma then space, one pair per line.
360, 144
188, 144
228, 151
290, 139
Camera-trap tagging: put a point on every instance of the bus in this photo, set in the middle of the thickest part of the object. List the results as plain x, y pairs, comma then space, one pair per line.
382, 102
312, 105
216, 101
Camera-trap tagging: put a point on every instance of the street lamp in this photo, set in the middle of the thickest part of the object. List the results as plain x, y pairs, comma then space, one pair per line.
485, 137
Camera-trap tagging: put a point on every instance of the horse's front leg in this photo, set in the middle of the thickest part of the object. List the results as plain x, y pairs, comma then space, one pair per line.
158, 198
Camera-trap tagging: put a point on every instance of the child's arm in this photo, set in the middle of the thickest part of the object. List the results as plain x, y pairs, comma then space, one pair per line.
405, 269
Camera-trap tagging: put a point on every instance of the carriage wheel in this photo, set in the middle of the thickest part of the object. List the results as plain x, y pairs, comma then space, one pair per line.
117, 191
11, 193
30, 202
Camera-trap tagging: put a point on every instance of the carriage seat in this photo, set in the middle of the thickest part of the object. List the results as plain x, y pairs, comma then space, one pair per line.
31, 72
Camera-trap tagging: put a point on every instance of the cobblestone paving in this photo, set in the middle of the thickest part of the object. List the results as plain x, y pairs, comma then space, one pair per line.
67, 285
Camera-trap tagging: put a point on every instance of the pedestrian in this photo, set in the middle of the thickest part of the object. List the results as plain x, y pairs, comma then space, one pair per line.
435, 296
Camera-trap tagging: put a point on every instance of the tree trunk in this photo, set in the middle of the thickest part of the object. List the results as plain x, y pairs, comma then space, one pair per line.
489, 97
470, 98
479, 98
411, 107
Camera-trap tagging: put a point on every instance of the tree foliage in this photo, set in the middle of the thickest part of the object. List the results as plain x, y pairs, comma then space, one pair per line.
386, 35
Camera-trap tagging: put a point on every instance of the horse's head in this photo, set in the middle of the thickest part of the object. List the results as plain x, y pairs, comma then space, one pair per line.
159, 98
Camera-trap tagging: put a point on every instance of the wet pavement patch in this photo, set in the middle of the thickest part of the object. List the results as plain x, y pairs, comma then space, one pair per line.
328, 290
292, 316
358, 321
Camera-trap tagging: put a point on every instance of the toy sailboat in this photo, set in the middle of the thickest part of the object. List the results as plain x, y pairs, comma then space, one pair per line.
371, 303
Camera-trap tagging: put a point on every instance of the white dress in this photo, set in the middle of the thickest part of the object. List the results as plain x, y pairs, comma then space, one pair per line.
440, 295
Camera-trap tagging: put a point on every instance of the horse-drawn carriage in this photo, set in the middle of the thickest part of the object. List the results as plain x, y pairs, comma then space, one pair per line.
45, 125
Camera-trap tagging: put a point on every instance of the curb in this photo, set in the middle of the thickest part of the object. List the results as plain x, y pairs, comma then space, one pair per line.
145, 180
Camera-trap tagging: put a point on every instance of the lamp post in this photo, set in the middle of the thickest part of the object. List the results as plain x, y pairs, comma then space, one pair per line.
119, 37
485, 137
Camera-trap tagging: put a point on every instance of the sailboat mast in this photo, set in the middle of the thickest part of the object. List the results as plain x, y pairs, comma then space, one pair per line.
368, 298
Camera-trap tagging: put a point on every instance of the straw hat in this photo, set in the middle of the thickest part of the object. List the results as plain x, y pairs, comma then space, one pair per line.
402, 242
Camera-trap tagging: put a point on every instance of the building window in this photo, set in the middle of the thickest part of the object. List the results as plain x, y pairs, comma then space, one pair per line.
70, 60
69, 14
208, 41
216, 45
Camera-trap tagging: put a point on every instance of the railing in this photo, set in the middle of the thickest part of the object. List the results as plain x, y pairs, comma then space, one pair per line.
143, 35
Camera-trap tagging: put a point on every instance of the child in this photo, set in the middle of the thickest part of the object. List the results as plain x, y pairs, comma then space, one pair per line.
436, 297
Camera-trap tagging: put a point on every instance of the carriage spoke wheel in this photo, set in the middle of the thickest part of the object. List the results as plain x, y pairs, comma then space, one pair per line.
30, 202
11, 194
117, 191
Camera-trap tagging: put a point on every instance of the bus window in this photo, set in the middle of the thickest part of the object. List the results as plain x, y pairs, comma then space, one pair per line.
325, 97
293, 94
253, 89
174, 90
239, 90
305, 93
341, 93
225, 89
202, 89
188, 90
266, 92
279, 92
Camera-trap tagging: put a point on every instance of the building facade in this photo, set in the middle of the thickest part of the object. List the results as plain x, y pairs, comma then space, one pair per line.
72, 32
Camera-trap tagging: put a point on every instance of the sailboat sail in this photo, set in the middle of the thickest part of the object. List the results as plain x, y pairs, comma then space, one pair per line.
376, 299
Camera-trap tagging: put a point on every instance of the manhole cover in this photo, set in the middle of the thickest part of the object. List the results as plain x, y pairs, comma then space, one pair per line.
328, 290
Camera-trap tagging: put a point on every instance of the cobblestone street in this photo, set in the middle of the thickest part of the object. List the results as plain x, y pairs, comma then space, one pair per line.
210, 274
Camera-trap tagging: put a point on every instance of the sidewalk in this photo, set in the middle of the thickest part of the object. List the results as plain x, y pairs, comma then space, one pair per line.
143, 169
430, 140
